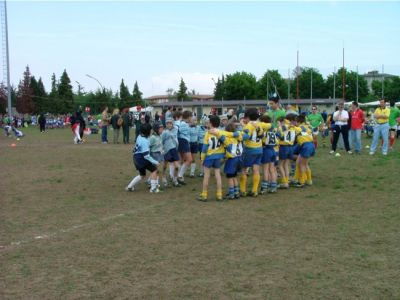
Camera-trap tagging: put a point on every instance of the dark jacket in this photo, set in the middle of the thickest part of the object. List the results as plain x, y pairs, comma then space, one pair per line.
114, 121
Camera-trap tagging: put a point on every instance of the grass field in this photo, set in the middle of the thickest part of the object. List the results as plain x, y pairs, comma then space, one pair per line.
68, 230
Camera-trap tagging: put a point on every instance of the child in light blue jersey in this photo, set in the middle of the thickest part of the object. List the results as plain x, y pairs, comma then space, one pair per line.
156, 150
143, 161
194, 135
169, 139
182, 122
201, 131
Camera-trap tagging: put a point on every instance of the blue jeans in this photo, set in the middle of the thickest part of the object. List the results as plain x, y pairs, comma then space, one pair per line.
380, 130
355, 139
104, 134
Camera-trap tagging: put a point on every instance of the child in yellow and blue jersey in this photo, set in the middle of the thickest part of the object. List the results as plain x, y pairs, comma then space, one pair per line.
252, 151
304, 139
233, 154
287, 136
211, 155
270, 140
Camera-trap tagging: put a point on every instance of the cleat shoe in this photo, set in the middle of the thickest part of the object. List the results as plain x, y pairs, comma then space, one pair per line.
219, 199
272, 190
128, 189
237, 195
201, 175
156, 190
284, 186
243, 194
191, 175
201, 198
176, 184
251, 194
181, 181
263, 191
309, 182
299, 185
231, 197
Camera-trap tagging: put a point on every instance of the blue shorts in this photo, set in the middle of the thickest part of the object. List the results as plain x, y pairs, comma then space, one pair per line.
307, 150
250, 159
285, 152
142, 165
232, 167
172, 155
184, 146
157, 156
296, 149
194, 147
269, 155
212, 163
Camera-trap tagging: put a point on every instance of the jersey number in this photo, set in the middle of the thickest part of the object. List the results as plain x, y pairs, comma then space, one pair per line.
214, 143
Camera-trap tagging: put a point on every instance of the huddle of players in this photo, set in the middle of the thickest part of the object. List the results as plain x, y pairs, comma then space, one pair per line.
254, 143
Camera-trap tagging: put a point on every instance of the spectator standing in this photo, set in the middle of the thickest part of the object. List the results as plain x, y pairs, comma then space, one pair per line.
317, 122
42, 122
341, 118
394, 115
357, 123
116, 122
381, 129
105, 121
125, 125
275, 113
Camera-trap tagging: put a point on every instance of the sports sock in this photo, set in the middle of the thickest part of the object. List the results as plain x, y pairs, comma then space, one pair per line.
154, 184
308, 175
182, 170
243, 183
219, 194
391, 143
296, 174
231, 191
264, 185
134, 181
256, 182
192, 168
302, 177
171, 171
204, 194
237, 190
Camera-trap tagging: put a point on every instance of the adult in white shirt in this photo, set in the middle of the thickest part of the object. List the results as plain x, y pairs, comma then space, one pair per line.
341, 118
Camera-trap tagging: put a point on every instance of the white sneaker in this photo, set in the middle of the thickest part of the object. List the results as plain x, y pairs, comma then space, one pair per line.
331, 152
371, 153
128, 189
349, 152
156, 190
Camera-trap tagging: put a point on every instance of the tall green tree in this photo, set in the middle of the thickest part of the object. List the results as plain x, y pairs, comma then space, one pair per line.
137, 95
219, 90
25, 103
240, 85
53, 103
3, 99
350, 86
308, 77
65, 94
40, 96
182, 92
393, 89
272, 82
124, 95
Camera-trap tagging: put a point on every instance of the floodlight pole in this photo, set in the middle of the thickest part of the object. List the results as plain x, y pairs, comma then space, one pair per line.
90, 76
8, 62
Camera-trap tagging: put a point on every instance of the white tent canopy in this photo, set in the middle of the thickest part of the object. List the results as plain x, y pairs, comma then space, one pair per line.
140, 109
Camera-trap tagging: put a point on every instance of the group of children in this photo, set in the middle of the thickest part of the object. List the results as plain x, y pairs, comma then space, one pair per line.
252, 145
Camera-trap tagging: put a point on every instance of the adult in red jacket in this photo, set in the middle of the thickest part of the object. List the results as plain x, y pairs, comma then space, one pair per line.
357, 123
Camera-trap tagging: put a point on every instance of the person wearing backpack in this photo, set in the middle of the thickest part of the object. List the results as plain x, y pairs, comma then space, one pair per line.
116, 123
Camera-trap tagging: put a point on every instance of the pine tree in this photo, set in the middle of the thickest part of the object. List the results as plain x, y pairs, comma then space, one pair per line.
40, 97
124, 95
65, 93
137, 95
25, 103
182, 92
54, 104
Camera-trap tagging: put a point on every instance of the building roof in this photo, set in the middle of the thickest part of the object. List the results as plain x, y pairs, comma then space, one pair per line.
173, 97
245, 102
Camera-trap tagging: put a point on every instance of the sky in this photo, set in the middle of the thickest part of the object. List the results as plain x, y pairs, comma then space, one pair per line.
157, 43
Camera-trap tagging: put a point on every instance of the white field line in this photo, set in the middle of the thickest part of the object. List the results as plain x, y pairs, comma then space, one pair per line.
46, 236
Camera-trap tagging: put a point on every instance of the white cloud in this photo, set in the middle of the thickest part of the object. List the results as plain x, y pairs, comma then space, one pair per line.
202, 83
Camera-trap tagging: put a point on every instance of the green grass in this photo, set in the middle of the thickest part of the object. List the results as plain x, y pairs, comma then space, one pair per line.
336, 239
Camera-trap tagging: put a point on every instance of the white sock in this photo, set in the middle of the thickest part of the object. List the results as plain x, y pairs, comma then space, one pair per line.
164, 179
172, 171
175, 179
134, 181
182, 170
192, 168
154, 184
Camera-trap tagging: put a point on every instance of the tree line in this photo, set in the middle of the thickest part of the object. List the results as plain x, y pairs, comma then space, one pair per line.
31, 97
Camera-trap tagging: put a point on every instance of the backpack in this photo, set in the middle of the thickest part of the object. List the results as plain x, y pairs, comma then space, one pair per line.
120, 122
